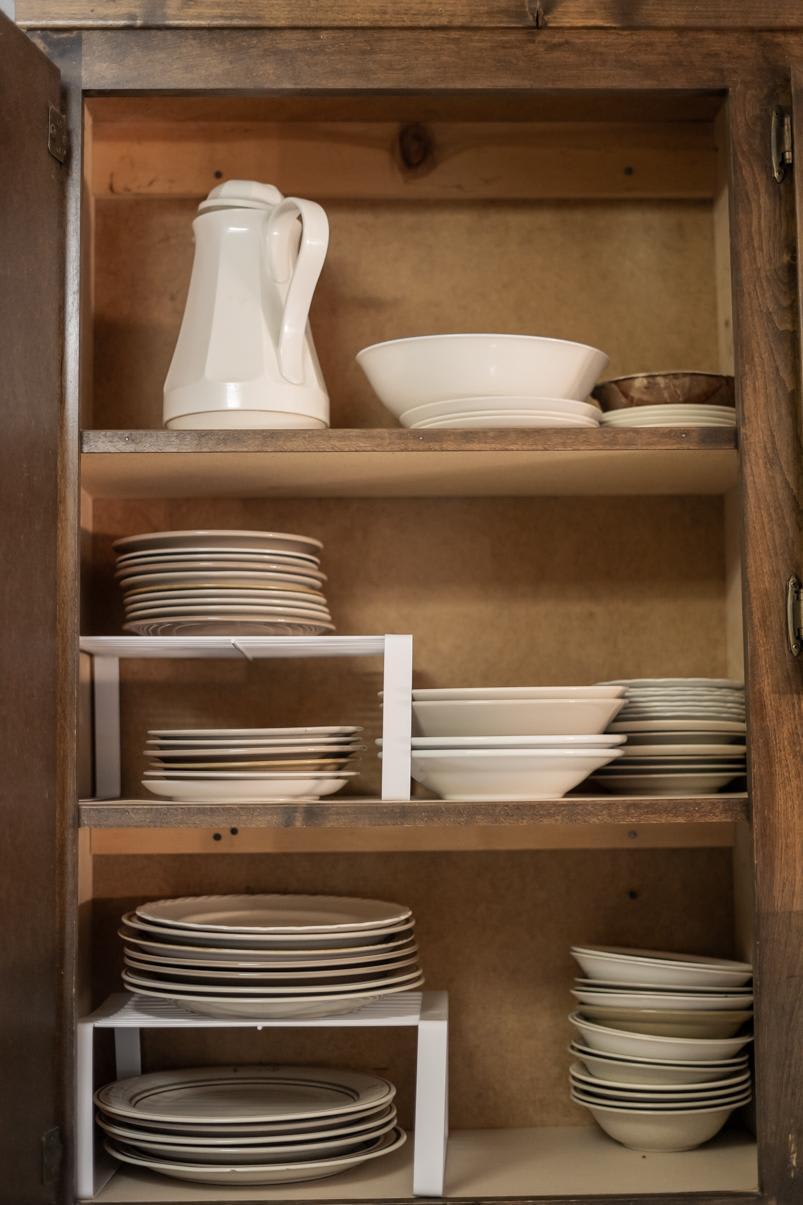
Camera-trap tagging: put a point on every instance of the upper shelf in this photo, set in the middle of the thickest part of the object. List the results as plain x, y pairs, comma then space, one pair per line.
404, 463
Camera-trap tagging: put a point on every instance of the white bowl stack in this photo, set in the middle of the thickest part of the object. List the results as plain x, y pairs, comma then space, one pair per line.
512, 743
660, 1052
249, 1125
208, 583
685, 736
198, 765
481, 381
271, 956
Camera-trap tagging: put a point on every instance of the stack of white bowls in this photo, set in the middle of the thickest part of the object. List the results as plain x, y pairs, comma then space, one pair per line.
249, 1125
197, 765
207, 583
480, 381
270, 956
685, 736
512, 743
660, 1059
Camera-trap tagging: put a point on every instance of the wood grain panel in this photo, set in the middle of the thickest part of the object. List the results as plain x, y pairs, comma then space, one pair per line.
767, 370
635, 279
526, 14
32, 882
494, 930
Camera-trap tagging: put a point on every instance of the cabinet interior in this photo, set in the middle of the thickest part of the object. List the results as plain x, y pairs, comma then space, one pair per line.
553, 215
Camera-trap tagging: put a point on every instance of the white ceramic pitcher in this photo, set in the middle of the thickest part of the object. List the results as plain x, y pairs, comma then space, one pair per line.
244, 356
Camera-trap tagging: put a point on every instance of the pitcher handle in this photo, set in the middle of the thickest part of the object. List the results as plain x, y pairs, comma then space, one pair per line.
303, 275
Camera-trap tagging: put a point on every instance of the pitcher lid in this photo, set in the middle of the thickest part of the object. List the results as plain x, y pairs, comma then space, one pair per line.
241, 194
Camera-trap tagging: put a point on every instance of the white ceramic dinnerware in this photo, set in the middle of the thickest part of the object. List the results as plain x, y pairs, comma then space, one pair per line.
670, 416
482, 775
502, 412
500, 715
249, 1124
194, 765
660, 1053
685, 736
222, 582
271, 956
410, 373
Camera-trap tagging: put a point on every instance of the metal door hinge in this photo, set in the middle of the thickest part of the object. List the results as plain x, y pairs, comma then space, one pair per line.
52, 1152
794, 615
58, 138
781, 144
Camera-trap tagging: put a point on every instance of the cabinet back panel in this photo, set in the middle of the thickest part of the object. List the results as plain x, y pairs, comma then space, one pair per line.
494, 930
635, 278
496, 591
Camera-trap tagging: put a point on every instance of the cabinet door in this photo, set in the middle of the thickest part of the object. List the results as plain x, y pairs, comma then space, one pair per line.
31, 861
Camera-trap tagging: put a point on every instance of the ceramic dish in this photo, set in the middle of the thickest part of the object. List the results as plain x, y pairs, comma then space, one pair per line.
503, 774
658, 1092
297, 977
666, 388
665, 1000
507, 418
667, 784
669, 1022
287, 541
274, 913
241, 1133
486, 405
400, 940
270, 1008
330, 731
513, 717
454, 694
232, 625
227, 790
268, 941
407, 373
278, 993
613, 1040
660, 967
636, 1070
649, 1130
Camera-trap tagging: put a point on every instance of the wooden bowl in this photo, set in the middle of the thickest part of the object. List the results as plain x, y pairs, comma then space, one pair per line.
666, 389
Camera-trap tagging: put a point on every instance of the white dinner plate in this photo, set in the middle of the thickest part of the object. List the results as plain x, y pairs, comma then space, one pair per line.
288, 541
698, 749
273, 1173
671, 726
271, 1008
329, 955
281, 560
281, 570
470, 405
661, 683
228, 625
344, 975
168, 578
275, 913
255, 790
310, 1130
180, 611
327, 730
244, 1094
503, 418
315, 764
265, 943
278, 993
246, 775
204, 753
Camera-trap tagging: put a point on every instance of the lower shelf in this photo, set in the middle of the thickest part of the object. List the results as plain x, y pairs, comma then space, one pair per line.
573, 1161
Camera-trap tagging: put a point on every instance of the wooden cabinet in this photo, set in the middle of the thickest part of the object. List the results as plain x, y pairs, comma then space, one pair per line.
608, 186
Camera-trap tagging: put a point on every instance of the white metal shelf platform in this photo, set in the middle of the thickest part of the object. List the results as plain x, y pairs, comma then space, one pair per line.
127, 1015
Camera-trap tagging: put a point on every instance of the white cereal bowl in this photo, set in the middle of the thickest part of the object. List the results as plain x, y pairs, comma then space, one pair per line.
671, 1001
658, 969
580, 1075
641, 1071
513, 717
503, 774
670, 1023
654, 1046
652, 1130
407, 373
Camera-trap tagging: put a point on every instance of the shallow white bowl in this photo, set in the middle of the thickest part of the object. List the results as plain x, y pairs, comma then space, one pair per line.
448, 694
668, 1022
435, 368
612, 1040
660, 968
634, 1070
651, 1130
616, 998
657, 1092
513, 717
505, 774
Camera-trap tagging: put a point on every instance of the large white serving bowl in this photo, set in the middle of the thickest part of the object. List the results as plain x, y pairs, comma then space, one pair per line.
436, 368
612, 1040
657, 1092
659, 968
479, 405
502, 774
513, 717
653, 1130
635, 1070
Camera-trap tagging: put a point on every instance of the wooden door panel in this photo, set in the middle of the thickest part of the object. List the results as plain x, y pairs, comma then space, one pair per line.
31, 343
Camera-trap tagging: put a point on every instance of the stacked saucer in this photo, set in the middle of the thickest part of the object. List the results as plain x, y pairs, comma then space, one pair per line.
670, 416
660, 1060
685, 736
249, 1125
194, 765
255, 583
271, 956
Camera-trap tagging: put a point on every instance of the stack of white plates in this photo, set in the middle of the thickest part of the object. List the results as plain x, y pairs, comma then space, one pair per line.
512, 743
670, 416
249, 1125
273, 956
483, 412
685, 736
195, 765
660, 1060
256, 583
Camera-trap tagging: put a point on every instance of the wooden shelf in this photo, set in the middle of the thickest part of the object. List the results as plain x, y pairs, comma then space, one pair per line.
579, 1162
401, 463
378, 813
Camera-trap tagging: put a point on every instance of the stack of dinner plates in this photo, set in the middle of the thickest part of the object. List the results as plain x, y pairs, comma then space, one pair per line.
685, 736
660, 1048
484, 412
272, 956
207, 583
196, 765
687, 415
512, 743
249, 1125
